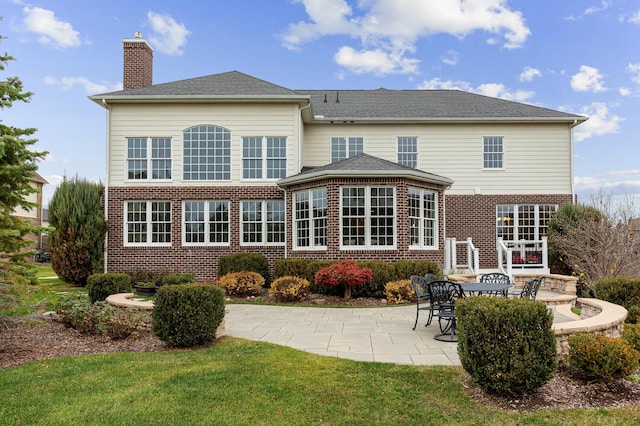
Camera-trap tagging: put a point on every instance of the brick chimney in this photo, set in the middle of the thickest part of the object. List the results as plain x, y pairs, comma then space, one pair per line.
138, 62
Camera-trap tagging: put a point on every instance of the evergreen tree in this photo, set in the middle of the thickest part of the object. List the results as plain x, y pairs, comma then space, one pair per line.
77, 242
17, 165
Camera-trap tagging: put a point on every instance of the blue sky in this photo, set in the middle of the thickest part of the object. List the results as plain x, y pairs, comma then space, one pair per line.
576, 56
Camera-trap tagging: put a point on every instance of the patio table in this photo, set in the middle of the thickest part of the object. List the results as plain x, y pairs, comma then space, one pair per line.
491, 289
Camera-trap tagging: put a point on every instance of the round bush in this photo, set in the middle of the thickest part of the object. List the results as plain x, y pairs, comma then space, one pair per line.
101, 286
187, 315
601, 358
290, 289
242, 283
399, 292
631, 333
506, 345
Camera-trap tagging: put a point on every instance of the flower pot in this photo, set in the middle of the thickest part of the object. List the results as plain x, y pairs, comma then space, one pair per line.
141, 290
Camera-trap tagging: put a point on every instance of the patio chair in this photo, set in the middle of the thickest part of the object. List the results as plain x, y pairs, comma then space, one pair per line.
443, 296
495, 277
530, 288
431, 277
421, 290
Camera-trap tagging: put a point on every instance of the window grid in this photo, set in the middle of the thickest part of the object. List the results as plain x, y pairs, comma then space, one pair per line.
311, 219
276, 157
148, 222
206, 222
207, 153
263, 222
161, 158
252, 158
493, 152
523, 221
139, 160
342, 147
264, 157
422, 218
136, 158
408, 151
368, 217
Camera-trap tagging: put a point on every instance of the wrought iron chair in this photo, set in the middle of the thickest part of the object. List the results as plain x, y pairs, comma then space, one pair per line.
431, 277
421, 290
530, 288
443, 295
495, 277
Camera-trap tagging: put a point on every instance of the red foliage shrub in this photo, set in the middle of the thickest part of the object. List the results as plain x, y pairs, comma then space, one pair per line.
345, 273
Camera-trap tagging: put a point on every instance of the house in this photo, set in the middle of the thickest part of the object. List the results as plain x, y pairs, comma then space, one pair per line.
34, 215
227, 163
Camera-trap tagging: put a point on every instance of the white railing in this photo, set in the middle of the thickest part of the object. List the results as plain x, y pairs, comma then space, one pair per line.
469, 260
523, 256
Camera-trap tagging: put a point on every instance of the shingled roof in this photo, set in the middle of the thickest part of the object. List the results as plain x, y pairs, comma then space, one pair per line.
345, 105
363, 166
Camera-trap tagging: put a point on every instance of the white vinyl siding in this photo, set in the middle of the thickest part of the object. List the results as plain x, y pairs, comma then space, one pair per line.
170, 120
537, 153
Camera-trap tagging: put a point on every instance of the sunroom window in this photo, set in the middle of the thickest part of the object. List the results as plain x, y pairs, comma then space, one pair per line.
368, 217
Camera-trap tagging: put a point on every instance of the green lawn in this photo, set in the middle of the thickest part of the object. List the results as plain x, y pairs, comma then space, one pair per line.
238, 382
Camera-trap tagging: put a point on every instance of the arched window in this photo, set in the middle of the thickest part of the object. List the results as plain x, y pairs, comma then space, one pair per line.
207, 153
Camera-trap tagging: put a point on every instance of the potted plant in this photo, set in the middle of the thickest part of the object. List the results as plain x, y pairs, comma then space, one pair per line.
145, 288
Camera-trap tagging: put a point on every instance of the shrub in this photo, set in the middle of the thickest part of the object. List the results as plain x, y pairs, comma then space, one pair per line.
244, 262
506, 345
405, 268
381, 273
102, 318
175, 278
187, 315
290, 289
601, 358
345, 273
242, 283
399, 292
292, 268
145, 276
312, 269
631, 333
621, 291
100, 286
633, 315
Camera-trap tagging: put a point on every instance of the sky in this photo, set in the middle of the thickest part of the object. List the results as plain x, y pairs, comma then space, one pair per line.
581, 57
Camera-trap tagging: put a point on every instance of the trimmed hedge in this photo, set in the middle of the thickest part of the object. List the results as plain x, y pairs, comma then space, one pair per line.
175, 278
187, 315
405, 268
506, 345
101, 286
383, 272
244, 262
621, 291
601, 358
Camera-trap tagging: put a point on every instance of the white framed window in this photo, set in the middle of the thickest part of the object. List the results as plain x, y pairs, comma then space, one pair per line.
408, 151
493, 152
149, 158
205, 223
264, 157
207, 153
367, 217
342, 147
262, 222
529, 222
148, 223
310, 212
423, 219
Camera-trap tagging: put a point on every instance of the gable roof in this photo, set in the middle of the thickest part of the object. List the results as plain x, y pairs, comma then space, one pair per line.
228, 85
363, 166
421, 105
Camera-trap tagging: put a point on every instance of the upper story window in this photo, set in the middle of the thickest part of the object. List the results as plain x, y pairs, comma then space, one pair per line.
148, 223
149, 158
523, 221
367, 217
262, 222
408, 151
493, 152
264, 157
207, 153
310, 219
205, 223
342, 148
423, 218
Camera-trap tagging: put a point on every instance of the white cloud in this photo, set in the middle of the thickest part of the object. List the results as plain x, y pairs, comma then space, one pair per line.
595, 9
52, 158
451, 58
588, 79
50, 30
375, 61
90, 87
635, 17
624, 91
634, 69
529, 73
170, 37
390, 28
618, 183
495, 90
600, 122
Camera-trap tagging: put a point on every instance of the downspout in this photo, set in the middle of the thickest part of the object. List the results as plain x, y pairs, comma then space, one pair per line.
106, 189
286, 239
300, 136
574, 197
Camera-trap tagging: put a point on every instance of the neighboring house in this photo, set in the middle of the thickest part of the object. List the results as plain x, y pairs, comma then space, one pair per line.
33, 215
229, 163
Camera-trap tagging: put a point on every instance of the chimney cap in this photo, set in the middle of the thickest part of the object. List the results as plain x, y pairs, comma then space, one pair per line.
137, 34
